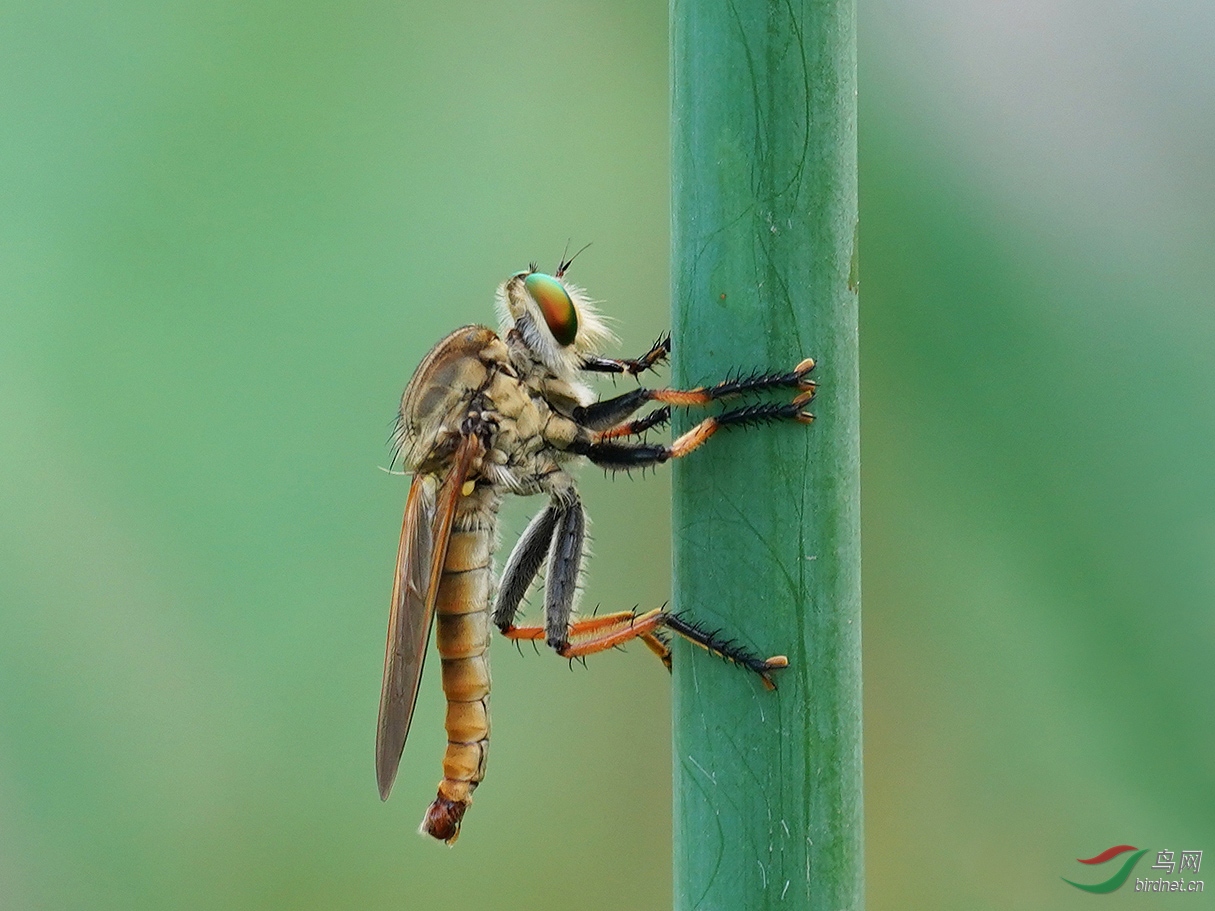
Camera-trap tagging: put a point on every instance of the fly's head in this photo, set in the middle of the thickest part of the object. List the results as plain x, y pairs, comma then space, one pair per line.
555, 319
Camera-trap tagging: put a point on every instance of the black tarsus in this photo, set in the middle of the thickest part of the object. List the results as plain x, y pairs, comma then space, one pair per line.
655, 418
728, 649
760, 414
756, 381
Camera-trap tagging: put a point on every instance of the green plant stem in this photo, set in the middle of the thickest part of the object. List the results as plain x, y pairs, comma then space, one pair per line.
766, 521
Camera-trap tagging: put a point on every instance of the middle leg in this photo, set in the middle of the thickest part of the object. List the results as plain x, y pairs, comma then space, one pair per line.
609, 453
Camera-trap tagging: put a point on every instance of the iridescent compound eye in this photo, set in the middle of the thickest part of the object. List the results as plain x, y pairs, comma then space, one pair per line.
556, 306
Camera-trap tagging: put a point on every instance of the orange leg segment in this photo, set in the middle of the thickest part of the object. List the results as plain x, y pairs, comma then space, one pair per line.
583, 627
658, 647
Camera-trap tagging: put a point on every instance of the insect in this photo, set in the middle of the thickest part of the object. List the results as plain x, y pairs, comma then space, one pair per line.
490, 414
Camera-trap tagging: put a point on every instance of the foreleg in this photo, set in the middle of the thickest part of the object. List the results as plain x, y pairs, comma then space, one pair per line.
656, 355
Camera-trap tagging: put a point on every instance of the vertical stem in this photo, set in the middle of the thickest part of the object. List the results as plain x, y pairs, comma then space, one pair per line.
766, 521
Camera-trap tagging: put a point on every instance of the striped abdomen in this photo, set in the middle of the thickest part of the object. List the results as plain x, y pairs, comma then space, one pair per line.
462, 633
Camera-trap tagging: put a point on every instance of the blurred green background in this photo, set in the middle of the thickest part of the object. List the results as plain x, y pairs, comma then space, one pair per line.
228, 233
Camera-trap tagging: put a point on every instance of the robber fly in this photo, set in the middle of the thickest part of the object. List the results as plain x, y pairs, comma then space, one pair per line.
488, 414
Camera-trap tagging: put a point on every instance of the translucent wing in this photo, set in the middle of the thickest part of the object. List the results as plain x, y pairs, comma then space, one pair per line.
425, 531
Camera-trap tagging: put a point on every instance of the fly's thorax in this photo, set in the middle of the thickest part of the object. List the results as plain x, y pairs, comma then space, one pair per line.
533, 428
564, 395
438, 397
556, 389
517, 413
561, 432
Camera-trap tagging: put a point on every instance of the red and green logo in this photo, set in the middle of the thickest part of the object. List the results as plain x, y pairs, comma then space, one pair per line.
1115, 881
